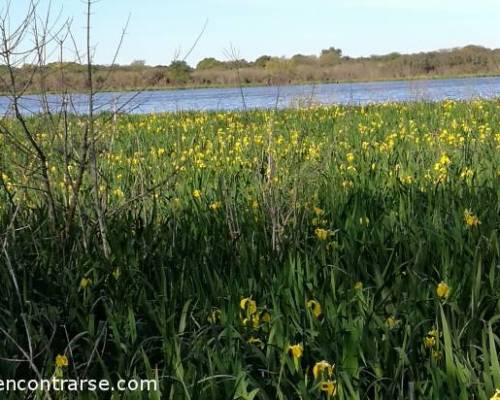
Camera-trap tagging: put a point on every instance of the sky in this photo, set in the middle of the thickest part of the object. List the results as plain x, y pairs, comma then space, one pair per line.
161, 30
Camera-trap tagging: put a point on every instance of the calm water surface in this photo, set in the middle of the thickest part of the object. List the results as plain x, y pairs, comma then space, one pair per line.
272, 96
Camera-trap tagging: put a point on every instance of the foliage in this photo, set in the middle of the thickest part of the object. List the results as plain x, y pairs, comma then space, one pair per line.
178, 71
209, 63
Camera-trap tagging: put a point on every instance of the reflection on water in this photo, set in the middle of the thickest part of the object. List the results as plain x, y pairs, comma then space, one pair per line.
271, 96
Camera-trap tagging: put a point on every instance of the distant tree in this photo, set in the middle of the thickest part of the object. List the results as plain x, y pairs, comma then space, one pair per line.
428, 63
239, 63
179, 72
71, 67
475, 55
157, 77
280, 69
393, 56
209, 63
300, 59
332, 50
262, 61
138, 63
330, 57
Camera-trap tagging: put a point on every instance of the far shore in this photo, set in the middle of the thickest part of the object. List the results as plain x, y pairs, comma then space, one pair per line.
250, 85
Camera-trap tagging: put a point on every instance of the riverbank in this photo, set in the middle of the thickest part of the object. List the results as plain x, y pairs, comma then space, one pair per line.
257, 85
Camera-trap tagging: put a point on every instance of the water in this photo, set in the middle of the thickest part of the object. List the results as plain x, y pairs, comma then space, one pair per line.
271, 96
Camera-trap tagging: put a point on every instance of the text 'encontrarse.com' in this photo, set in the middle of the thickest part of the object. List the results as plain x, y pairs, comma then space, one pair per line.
77, 385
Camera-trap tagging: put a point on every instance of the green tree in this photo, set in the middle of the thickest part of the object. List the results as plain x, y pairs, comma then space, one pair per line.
138, 63
300, 59
330, 57
179, 72
209, 63
262, 61
280, 69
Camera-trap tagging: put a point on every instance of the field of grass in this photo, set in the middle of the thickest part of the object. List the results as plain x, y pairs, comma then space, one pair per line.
331, 252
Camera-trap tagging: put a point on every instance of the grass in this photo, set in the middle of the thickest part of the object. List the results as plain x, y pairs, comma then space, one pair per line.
258, 244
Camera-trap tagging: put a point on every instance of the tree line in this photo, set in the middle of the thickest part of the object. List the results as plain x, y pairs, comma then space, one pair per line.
331, 65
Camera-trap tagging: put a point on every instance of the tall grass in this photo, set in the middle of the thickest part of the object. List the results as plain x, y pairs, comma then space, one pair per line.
365, 210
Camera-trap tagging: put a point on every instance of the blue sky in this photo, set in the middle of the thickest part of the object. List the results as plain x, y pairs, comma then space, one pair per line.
159, 29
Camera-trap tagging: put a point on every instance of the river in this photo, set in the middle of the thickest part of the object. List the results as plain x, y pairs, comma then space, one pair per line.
224, 99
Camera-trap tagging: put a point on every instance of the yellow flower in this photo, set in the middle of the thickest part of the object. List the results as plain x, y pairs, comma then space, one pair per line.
321, 234
249, 305
85, 283
61, 361
496, 395
430, 340
329, 387
315, 307
391, 322
350, 157
444, 160
256, 342
437, 355
466, 173
215, 205
364, 221
118, 193
470, 219
117, 273
347, 184
265, 317
214, 316
318, 221
407, 179
442, 290
318, 211
358, 285
255, 320
322, 366
296, 350
197, 194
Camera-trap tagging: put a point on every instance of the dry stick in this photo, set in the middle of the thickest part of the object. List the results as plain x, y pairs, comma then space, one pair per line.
102, 335
18, 145
195, 43
63, 113
41, 61
34, 144
143, 88
89, 144
83, 152
77, 184
85, 143
30, 361
28, 355
10, 196
69, 348
118, 48
145, 191
232, 54
46, 348
90, 124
